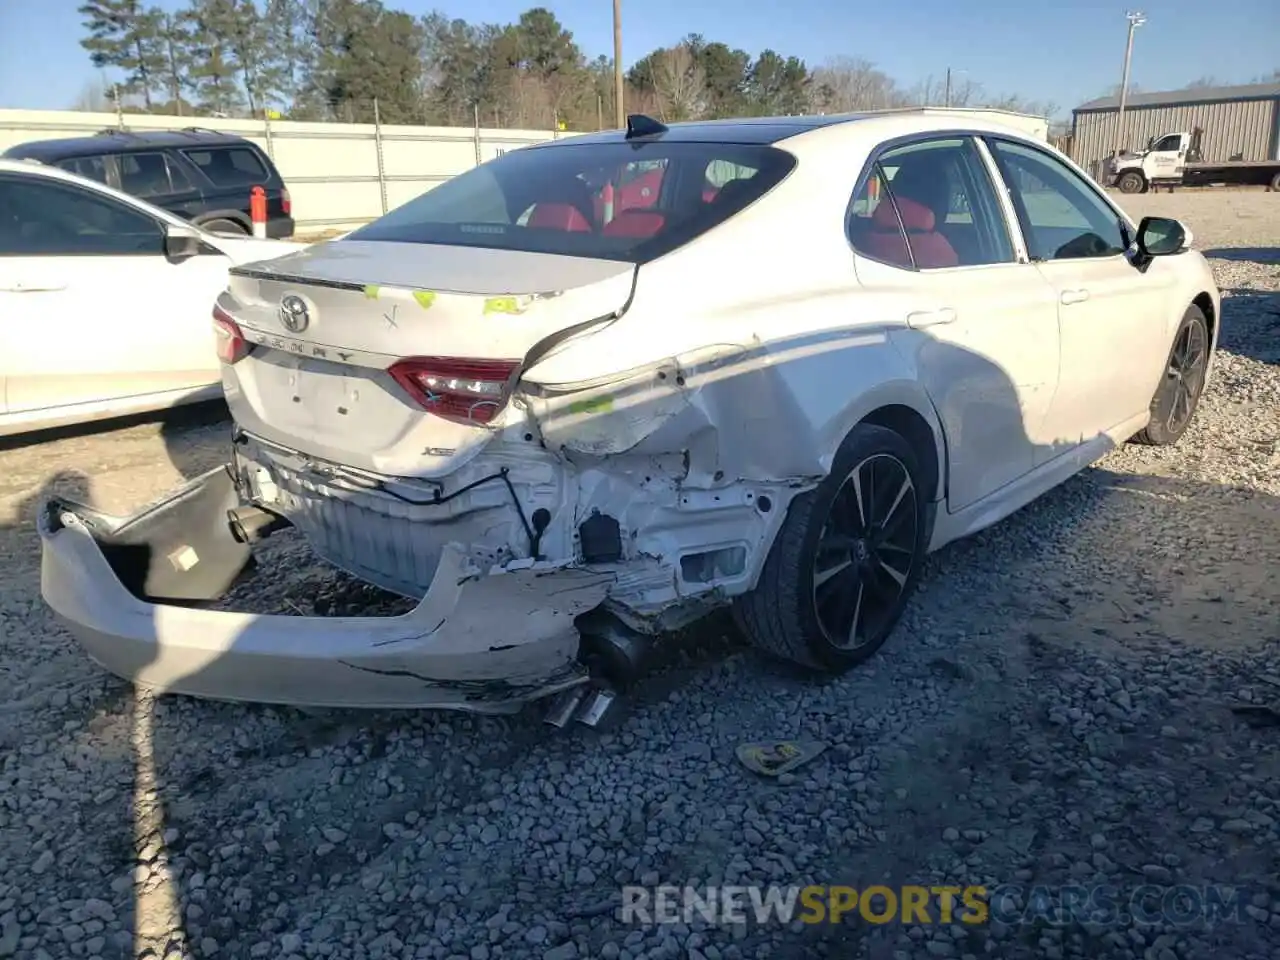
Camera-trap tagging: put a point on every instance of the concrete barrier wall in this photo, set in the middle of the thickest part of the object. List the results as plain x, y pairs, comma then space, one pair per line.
331, 169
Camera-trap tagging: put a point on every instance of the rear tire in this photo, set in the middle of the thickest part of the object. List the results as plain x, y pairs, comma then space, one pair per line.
1178, 396
1275, 184
846, 560
225, 227
1132, 183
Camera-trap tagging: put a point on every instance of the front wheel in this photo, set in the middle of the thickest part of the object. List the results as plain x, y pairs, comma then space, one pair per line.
1132, 183
1178, 395
846, 560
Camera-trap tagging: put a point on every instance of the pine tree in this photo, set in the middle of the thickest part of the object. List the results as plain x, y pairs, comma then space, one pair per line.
124, 35
214, 70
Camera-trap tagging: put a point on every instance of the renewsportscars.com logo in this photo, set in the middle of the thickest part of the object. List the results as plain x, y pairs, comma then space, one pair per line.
1009, 904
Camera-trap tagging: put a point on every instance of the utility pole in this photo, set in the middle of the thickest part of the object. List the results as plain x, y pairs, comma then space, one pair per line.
1136, 19
619, 116
947, 101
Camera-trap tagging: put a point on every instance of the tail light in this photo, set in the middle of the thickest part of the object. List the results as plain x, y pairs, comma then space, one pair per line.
231, 344
465, 391
286, 202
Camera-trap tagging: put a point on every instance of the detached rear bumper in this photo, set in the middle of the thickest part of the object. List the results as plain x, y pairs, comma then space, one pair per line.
485, 643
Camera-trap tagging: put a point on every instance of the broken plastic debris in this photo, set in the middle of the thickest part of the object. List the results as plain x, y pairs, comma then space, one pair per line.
779, 757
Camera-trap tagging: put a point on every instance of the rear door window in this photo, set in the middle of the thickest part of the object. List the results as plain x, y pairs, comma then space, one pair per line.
94, 168
144, 174
555, 199
230, 166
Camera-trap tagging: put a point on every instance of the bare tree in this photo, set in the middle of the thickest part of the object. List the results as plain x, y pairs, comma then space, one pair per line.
94, 97
846, 84
678, 84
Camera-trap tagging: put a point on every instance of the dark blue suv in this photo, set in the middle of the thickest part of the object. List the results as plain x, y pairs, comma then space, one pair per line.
199, 175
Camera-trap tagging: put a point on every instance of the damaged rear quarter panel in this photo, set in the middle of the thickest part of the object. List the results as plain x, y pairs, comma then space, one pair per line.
748, 390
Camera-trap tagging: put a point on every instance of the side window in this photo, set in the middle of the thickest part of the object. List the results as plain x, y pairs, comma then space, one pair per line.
1171, 142
875, 229
178, 178
942, 196
1062, 217
229, 166
144, 174
41, 218
721, 173
95, 168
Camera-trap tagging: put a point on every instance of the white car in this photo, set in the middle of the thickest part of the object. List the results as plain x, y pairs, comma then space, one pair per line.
591, 390
105, 300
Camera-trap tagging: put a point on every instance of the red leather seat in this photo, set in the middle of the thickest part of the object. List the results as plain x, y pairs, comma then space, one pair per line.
640, 224
559, 216
932, 250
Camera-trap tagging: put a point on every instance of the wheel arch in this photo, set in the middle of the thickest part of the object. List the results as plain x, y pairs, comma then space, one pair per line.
1204, 300
903, 407
235, 216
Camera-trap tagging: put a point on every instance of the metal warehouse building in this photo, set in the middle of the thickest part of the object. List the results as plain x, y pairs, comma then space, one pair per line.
1240, 123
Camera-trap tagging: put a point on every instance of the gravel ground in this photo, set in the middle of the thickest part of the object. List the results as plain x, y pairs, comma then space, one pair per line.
1060, 706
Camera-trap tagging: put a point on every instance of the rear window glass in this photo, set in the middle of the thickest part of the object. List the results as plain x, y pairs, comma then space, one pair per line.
616, 201
229, 166
95, 168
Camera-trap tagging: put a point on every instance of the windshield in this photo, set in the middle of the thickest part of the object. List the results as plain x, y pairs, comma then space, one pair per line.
617, 201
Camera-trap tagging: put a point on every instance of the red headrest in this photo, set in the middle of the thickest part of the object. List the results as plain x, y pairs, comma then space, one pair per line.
916, 217
634, 223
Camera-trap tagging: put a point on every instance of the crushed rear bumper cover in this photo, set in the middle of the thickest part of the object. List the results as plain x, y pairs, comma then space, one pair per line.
135, 593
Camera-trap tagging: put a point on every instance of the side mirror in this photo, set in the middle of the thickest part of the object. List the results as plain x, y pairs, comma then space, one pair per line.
1162, 237
181, 242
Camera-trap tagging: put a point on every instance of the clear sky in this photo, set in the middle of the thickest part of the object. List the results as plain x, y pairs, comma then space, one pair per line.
1067, 51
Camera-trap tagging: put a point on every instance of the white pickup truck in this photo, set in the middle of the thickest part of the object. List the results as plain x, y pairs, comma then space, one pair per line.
1174, 159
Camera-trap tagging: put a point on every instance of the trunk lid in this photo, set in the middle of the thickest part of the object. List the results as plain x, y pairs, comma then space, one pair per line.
318, 380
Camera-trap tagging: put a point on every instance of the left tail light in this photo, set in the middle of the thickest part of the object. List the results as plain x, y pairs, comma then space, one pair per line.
231, 344
464, 391
286, 202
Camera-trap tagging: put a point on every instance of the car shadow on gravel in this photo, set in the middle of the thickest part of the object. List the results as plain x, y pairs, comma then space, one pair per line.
1251, 254
175, 422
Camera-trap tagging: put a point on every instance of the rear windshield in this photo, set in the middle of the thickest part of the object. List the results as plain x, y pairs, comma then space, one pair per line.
229, 166
617, 201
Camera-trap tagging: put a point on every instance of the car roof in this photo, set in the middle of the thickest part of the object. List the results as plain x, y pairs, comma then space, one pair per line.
121, 141
812, 130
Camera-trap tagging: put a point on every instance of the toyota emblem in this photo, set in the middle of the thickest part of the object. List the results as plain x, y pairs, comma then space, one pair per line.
294, 314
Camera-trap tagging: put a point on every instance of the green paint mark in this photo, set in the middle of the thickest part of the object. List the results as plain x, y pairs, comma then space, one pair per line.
594, 405
425, 298
371, 292
501, 305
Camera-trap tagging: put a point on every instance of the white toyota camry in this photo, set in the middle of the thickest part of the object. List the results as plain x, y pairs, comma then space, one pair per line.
104, 300
593, 389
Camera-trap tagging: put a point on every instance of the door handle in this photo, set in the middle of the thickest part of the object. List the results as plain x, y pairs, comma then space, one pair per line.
1074, 296
930, 318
